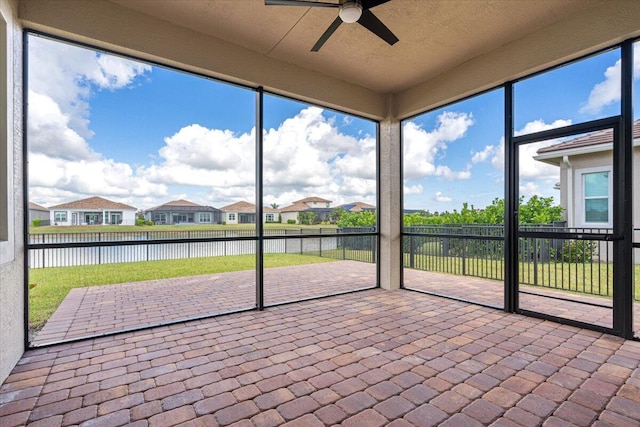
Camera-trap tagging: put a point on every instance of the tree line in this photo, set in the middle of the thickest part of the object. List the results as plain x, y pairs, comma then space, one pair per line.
535, 210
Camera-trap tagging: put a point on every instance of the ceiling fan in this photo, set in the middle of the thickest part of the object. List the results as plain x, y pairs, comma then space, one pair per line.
350, 11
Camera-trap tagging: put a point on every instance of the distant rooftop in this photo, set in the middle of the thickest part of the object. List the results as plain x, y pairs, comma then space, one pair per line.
93, 203
596, 138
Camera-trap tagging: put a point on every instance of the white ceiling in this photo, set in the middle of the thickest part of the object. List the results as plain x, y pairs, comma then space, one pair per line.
435, 36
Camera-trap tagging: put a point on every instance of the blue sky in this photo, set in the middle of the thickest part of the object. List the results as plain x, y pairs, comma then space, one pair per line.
101, 125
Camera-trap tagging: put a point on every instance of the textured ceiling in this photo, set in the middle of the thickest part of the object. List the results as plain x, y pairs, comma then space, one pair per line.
435, 36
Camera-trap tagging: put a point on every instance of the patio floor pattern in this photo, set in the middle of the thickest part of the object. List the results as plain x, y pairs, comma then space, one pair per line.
100, 309
106, 309
371, 358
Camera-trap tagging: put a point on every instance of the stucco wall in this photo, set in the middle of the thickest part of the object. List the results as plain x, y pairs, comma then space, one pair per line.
11, 263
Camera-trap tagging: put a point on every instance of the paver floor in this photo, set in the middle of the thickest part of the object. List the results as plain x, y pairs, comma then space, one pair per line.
370, 358
111, 308
107, 309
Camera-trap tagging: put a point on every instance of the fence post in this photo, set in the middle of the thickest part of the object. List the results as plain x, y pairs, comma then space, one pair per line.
412, 251
464, 257
535, 261
344, 254
147, 246
320, 243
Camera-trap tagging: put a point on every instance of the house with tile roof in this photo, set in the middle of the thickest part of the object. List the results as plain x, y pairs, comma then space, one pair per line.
92, 211
245, 213
183, 212
357, 207
586, 177
320, 207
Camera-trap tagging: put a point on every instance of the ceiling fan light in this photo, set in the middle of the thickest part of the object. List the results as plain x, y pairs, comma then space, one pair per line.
350, 12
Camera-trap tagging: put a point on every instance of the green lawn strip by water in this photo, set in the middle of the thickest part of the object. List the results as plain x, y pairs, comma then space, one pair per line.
49, 286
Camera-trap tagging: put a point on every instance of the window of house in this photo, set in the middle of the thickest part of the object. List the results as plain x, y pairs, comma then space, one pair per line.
60, 216
205, 217
594, 190
160, 218
270, 217
231, 216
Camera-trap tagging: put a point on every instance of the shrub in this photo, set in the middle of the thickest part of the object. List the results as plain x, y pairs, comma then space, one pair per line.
578, 251
291, 221
36, 222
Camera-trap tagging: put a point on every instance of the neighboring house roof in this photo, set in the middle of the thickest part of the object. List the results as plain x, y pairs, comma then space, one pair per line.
295, 207
93, 203
183, 206
312, 200
246, 207
596, 138
36, 207
357, 206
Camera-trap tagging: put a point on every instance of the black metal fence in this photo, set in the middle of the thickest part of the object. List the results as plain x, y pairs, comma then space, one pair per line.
468, 250
71, 249
576, 265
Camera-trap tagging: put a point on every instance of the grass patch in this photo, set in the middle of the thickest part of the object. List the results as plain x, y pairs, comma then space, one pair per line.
49, 286
578, 278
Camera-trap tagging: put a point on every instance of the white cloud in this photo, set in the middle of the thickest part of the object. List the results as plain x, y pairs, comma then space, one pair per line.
68, 75
482, 156
50, 133
607, 91
529, 189
532, 169
50, 178
413, 189
440, 198
422, 148
62, 165
305, 156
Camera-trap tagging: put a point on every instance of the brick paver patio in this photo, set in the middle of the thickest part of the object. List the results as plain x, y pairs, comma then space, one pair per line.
111, 308
107, 309
371, 358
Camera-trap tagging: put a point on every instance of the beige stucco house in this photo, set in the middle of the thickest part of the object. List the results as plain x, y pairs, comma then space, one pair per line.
290, 213
587, 179
245, 213
92, 211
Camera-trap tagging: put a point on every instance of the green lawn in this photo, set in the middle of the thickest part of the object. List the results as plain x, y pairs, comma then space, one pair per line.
589, 278
49, 286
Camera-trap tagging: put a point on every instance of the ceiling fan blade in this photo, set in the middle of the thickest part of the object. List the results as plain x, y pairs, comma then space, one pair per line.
299, 3
373, 24
368, 4
324, 37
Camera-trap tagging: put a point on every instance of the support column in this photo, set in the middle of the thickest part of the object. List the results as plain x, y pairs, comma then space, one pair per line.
390, 206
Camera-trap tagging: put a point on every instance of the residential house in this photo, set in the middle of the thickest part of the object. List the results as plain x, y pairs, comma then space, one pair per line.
587, 180
320, 207
357, 207
37, 212
92, 211
245, 213
183, 212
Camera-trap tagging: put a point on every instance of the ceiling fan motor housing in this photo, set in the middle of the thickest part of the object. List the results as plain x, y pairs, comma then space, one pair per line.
350, 11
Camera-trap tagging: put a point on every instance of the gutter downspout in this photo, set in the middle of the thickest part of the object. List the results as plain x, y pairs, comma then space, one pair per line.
570, 201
